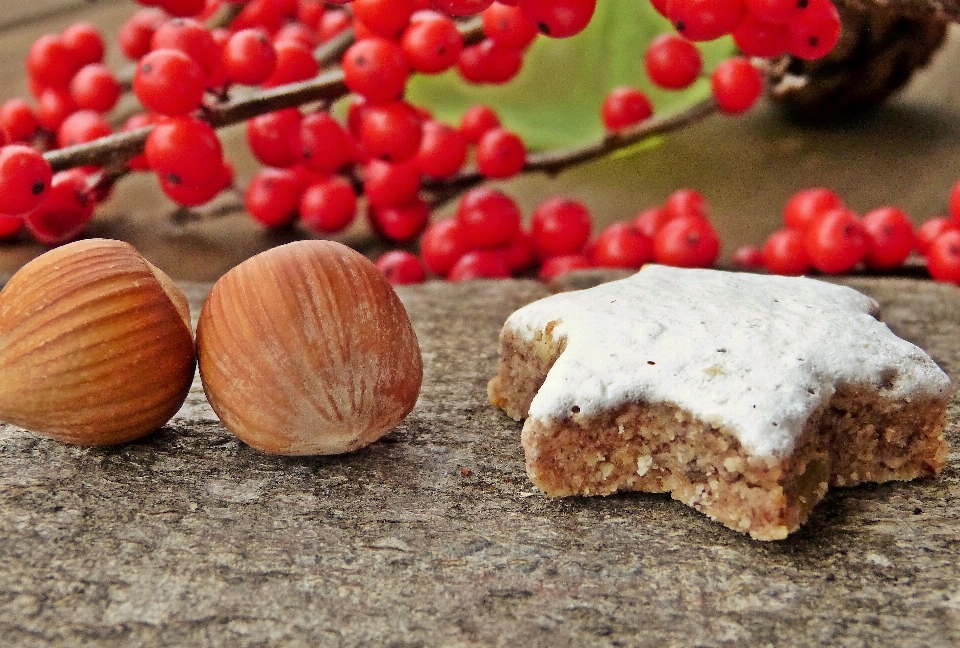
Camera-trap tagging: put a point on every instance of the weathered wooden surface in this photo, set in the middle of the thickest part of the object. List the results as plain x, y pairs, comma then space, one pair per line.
434, 536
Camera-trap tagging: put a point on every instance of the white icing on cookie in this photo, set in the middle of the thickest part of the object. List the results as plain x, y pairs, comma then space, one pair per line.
754, 354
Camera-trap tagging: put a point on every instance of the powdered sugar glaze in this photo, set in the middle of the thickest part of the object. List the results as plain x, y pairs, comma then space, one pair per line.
754, 354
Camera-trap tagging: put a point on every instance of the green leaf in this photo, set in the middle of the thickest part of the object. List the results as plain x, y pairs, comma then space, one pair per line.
555, 100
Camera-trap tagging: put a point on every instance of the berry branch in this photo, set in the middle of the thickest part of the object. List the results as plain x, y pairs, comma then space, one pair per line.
328, 86
556, 161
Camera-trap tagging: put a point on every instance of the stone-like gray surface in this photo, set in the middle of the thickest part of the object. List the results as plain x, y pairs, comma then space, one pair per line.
434, 537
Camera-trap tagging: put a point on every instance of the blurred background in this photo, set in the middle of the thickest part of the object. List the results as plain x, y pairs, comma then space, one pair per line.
904, 153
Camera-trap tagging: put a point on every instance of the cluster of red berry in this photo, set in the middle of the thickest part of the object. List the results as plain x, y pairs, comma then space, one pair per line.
822, 234
317, 169
807, 29
486, 240
388, 150
316, 166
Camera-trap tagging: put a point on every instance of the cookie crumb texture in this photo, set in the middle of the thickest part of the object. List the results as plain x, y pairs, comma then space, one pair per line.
861, 433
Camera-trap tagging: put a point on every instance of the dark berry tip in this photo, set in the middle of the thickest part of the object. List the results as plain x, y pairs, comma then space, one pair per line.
38, 187
544, 28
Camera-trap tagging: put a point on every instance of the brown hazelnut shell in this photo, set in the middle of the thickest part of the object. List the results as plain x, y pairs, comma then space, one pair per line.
96, 346
305, 349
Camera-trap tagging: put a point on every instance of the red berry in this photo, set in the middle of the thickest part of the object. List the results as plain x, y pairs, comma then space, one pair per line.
749, 257
84, 42
432, 44
400, 223
736, 85
24, 179
775, 11
94, 87
249, 57
274, 137
785, 253
508, 26
267, 14
294, 63
931, 230
135, 35
890, 235
18, 120
461, 7
687, 242
624, 107
376, 68
386, 184
10, 226
488, 218
480, 264
53, 106
272, 197
443, 150
519, 253
489, 62
182, 7
169, 82
391, 131
332, 23
184, 150
476, 121
193, 195
672, 62
704, 20
299, 34
685, 203
65, 212
755, 37
558, 18
401, 268
328, 206
814, 31
836, 241
500, 154
310, 12
442, 246
650, 220
943, 257
80, 127
324, 145
621, 246
560, 226
558, 265
806, 205
385, 18
190, 37
50, 63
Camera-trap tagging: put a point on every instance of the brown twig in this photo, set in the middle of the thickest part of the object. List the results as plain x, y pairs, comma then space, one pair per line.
556, 161
332, 51
126, 145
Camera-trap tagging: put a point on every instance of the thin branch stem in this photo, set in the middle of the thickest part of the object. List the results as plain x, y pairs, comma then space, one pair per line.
333, 50
328, 86
555, 161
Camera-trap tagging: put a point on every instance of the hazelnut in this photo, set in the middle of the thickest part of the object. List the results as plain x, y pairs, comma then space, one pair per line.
306, 349
95, 345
